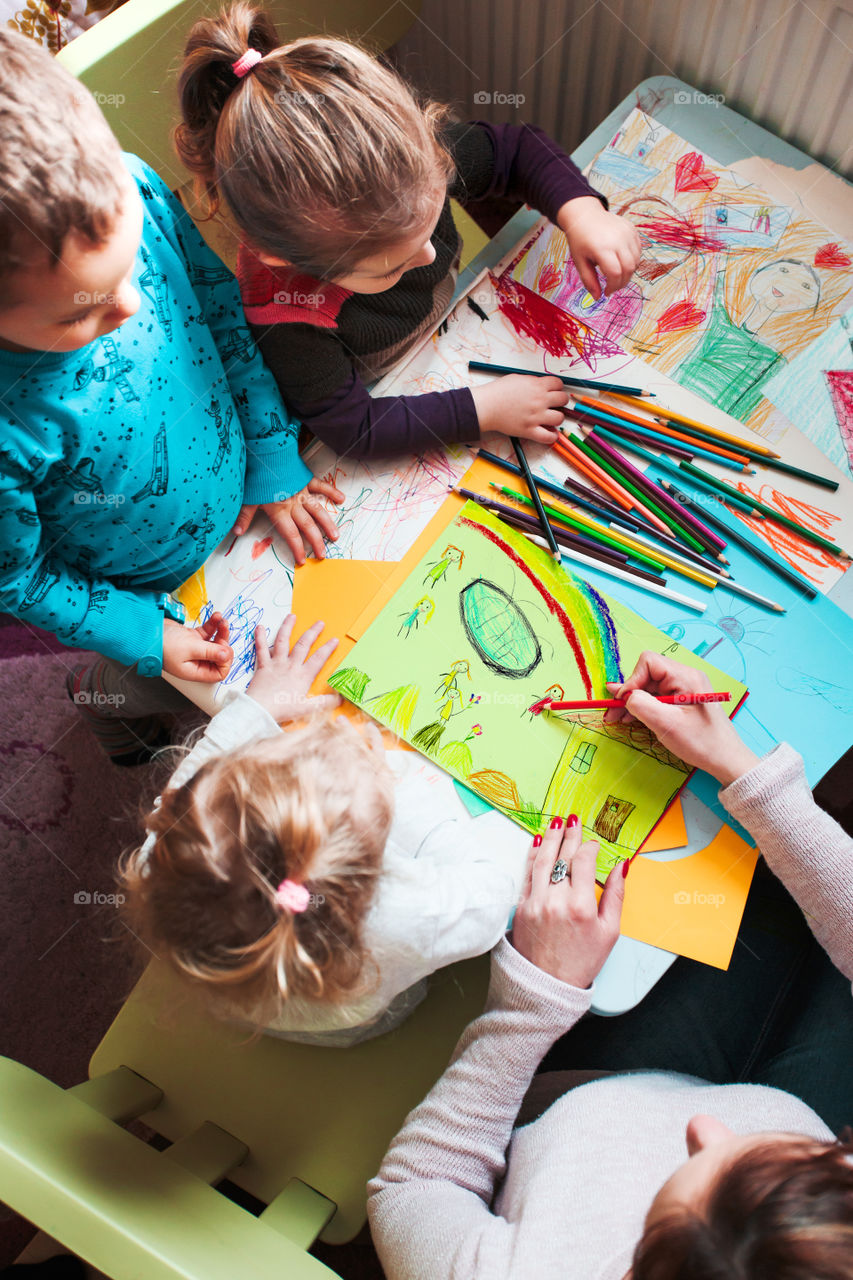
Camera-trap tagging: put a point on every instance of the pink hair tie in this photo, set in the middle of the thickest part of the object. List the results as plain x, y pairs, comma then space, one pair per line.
291, 896
245, 62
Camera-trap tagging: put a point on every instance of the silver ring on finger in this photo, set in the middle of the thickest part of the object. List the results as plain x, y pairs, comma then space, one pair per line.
559, 871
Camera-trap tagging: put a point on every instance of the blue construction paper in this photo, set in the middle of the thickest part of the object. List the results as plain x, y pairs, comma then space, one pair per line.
796, 665
475, 804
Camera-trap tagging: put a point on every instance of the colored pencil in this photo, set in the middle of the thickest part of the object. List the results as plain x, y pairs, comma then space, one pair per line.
669, 415
705, 535
669, 447
664, 464
629, 574
595, 704
654, 436
688, 531
725, 580
641, 494
647, 510
606, 511
590, 504
655, 424
622, 541
693, 432
547, 531
599, 559
582, 463
812, 476
755, 549
580, 541
480, 366
770, 512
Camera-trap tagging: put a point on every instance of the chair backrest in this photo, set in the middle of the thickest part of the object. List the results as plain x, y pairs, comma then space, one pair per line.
125, 1208
130, 59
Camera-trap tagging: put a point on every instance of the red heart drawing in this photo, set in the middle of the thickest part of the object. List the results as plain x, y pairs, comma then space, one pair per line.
681, 315
692, 175
832, 255
549, 278
259, 547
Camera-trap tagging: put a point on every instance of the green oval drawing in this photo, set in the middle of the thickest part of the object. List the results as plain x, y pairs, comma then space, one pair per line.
498, 630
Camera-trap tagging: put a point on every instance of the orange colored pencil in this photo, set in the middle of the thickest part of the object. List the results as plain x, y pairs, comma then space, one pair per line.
671, 416
654, 424
636, 503
592, 472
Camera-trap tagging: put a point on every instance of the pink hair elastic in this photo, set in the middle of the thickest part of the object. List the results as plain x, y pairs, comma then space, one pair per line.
291, 896
245, 62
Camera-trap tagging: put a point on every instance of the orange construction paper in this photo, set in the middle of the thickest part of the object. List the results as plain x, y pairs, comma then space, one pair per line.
670, 832
692, 906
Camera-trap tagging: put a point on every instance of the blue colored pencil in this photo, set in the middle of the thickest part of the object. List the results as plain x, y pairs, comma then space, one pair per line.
618, 425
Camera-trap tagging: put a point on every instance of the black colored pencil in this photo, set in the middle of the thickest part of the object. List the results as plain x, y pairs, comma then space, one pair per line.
735, 535
568, 537
547, 531
481, 366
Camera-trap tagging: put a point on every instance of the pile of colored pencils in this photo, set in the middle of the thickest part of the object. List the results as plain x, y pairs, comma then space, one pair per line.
633, 527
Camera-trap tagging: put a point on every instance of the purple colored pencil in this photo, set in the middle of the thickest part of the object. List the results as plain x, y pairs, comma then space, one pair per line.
686, 518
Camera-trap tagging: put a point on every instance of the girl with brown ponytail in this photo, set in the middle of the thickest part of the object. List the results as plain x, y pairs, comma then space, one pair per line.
338, 180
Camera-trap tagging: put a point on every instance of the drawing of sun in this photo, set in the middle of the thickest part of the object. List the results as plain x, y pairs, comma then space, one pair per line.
729, 634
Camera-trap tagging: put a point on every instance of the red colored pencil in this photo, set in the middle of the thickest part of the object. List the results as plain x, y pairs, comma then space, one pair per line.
596, 704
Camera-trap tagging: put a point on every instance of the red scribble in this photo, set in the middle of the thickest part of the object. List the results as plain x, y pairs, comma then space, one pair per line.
832, 255
691, 174
681, 315
840, 383
549, 277
550, 603
681, 234
549, 326
259, 547
233, 545
796, 551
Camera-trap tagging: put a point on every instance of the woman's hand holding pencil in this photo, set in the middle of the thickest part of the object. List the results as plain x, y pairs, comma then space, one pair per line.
700, 734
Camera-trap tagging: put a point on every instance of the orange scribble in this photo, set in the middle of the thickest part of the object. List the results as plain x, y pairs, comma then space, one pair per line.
804, 556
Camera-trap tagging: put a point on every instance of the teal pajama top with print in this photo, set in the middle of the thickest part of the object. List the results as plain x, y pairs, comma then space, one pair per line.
123, 464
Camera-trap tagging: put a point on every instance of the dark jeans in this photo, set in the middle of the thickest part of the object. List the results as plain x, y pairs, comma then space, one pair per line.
781, 1015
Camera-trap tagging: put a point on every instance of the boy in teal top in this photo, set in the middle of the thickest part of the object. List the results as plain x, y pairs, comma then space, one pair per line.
136, 414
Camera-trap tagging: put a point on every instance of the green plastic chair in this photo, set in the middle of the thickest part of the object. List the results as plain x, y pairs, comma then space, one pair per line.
300, 1128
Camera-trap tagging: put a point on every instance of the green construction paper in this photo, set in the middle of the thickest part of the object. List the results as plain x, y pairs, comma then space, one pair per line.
487, 624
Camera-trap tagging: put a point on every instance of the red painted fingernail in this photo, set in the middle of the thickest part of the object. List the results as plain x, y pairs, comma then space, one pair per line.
626, 867
537, 840
556, 823
572, 820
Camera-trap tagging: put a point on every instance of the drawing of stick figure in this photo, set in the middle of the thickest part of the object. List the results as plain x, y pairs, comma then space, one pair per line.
438, 570
424, 608
554, 693
448, 689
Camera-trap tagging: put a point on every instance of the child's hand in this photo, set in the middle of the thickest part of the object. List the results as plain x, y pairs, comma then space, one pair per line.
282, 678
197, 653
299, 517
560, 927
701, 735
599, 239
517, 405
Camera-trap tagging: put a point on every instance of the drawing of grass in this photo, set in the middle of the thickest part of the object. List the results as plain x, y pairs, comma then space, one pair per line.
350, 682
396, 707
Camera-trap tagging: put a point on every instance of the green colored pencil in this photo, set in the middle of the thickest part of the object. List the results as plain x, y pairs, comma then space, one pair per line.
584, 528
770, 512
659, 510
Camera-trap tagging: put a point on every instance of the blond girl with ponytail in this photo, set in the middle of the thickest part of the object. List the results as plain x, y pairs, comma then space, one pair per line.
338, 180
307, 882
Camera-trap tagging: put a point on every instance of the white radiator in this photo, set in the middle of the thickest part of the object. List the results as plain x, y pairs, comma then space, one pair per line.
563, 64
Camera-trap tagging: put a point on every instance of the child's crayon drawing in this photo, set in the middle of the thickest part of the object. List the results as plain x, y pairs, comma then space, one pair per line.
731, 287
507, 624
